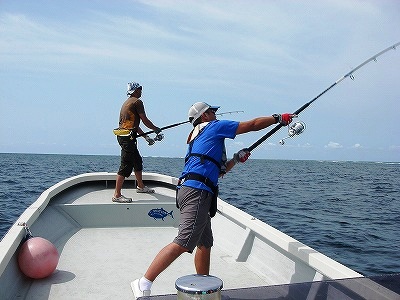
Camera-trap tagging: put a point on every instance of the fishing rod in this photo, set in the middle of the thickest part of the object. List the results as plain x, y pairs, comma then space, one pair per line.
349, 74
184, 122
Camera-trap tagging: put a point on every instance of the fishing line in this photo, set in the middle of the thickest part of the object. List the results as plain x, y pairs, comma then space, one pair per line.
184, 122
349, 74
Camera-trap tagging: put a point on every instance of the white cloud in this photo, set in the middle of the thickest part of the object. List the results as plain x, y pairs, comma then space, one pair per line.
307, 145
333, 145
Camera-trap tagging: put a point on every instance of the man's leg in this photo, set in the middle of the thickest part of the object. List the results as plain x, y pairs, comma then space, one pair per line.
163, 259
139, 179
118, 185
202, 260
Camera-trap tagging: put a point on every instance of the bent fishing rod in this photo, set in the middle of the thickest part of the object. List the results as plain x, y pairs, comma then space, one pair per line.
184, 122
349, 74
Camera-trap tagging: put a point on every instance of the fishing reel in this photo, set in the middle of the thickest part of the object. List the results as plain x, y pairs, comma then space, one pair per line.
295, 129
159, 137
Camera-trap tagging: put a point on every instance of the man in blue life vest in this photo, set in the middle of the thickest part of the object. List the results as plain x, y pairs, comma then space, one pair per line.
132, 112
205, 162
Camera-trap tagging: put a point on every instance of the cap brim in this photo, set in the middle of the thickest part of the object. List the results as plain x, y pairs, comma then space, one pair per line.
214, 107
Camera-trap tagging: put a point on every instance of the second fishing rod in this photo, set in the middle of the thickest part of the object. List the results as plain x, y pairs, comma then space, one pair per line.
184, 122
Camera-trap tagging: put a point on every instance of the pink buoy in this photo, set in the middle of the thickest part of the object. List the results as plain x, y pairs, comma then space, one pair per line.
38, 258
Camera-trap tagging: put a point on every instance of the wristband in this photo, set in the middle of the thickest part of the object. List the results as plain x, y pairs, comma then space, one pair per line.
276, 117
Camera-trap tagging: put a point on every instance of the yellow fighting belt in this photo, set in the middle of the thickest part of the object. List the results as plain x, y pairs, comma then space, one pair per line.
122, 132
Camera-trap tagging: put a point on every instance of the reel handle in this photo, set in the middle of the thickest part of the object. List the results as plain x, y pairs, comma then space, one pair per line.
295, 129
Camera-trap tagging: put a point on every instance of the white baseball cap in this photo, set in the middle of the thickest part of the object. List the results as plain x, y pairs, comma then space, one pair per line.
197, 109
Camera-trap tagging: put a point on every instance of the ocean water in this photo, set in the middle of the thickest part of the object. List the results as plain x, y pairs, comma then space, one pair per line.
350, 211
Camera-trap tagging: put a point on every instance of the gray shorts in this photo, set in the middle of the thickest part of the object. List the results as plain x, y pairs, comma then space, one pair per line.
195, 223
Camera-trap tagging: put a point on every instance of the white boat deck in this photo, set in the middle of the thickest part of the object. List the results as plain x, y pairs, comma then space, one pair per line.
104, 246
107, 259
100, 263
105, 269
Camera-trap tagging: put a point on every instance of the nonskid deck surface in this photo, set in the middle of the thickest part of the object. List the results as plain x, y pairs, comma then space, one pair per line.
100, 263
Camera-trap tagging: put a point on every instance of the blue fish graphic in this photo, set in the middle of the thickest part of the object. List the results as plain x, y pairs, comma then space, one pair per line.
159, 213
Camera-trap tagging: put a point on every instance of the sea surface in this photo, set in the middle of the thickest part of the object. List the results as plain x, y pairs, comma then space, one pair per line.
350, 211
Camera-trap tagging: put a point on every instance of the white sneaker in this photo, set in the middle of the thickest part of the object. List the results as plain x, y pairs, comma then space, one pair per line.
122, 199
144, 190
137, 292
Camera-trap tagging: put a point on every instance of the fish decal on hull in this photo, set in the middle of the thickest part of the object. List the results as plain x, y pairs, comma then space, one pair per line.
160, 213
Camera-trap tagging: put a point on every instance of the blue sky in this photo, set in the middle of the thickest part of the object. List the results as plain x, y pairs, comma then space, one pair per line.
64, 66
